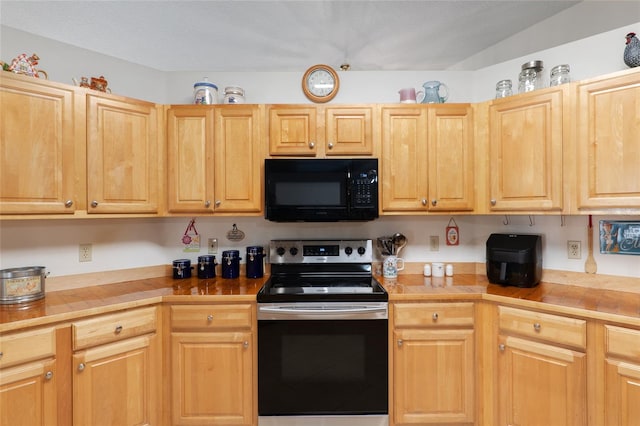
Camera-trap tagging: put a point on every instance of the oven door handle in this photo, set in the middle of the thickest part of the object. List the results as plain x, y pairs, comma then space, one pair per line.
303, 313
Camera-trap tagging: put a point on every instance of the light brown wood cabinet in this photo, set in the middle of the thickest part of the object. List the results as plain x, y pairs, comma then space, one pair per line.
433, 363
297, 130
214, 159
526, 136
541, 368
212, 364
28, 374
39, 135
122, 155
116, 368
427, 158
608, 143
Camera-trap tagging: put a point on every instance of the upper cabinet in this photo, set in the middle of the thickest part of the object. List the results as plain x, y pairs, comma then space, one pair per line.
214, 159
427, 158
298, 130
608, 143
526, 134
122, 155
39, 134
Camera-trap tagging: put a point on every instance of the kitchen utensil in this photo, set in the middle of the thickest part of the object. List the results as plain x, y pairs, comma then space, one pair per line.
399, 241
432, 93
590, 266
18, 285
408, 95
385, 244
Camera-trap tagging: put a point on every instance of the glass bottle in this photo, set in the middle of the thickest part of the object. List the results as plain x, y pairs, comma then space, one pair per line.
503, 89
527, 80
536, 66
560, 75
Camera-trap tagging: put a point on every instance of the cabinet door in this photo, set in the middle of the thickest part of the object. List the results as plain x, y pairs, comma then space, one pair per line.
190, 159
117, 383
37, 143
238, 159
28, 394
451, 169
122, 155
292, 130
349, 131
526, 135
404, 159
608, 142
433, 376
540, 384
212, 378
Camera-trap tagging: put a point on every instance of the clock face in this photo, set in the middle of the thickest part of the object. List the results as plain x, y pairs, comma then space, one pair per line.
320, 83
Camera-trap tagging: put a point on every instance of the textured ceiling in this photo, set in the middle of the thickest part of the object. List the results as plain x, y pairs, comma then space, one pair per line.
283, 35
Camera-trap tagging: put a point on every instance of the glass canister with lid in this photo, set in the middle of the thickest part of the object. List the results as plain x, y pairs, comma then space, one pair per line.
560, 75
531, 76
205, 92
233, 95
503, 89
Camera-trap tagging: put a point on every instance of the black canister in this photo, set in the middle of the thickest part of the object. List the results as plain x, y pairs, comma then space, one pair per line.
181, 269
206, 266
255, 268
230, 264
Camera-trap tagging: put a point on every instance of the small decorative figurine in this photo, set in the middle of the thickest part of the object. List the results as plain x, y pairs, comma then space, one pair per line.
26, 65
632, 51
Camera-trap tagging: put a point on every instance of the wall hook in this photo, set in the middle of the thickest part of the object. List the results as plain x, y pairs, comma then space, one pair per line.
532, 220
506, 220
562, 220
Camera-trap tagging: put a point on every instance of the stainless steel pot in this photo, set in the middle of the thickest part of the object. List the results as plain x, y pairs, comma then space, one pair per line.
20, 285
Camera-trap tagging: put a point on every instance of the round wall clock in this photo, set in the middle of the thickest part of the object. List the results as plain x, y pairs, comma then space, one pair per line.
320, 83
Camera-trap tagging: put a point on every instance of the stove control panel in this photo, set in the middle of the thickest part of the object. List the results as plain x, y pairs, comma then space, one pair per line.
320, 251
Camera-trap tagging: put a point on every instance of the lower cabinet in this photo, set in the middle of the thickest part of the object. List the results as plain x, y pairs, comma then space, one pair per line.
116, 369
541, 369
28, 394
212, 364
433, 373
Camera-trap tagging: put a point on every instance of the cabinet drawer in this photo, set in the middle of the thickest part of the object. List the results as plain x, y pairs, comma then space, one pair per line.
112, 327
549, 327
433, 314
623, 342
25, 346
211, 317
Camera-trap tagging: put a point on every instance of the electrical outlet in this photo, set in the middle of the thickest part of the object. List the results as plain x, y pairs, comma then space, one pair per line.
85, 252
213, 245
574, 250
434, 243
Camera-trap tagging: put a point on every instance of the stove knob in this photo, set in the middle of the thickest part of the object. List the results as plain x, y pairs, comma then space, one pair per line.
348, 251
293, 251
280, 251
361, 250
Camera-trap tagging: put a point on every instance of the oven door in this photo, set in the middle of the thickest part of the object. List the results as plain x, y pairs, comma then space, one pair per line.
322, 359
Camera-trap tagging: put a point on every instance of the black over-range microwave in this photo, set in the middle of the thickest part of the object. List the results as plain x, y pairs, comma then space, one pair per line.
321, 190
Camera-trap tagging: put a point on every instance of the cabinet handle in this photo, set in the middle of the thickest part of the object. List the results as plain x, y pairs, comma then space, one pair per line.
245, 344
207, 203
48, 375
94, 203
400, 342
209, 317
218, 202
118, 329
68, 203
330, 145
493, 202
312, 145
1, 353
537, 326
434, 202
435, 316
81, 366
501, 347
424, 201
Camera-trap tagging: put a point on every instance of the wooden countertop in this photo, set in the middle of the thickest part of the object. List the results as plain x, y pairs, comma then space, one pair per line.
66, 305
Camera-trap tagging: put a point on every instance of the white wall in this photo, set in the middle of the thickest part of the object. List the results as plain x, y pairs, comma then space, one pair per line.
129, 243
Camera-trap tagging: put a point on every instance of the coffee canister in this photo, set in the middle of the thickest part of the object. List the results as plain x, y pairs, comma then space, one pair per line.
18, 285
181, 269
230, 264
255, 256
207, 266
